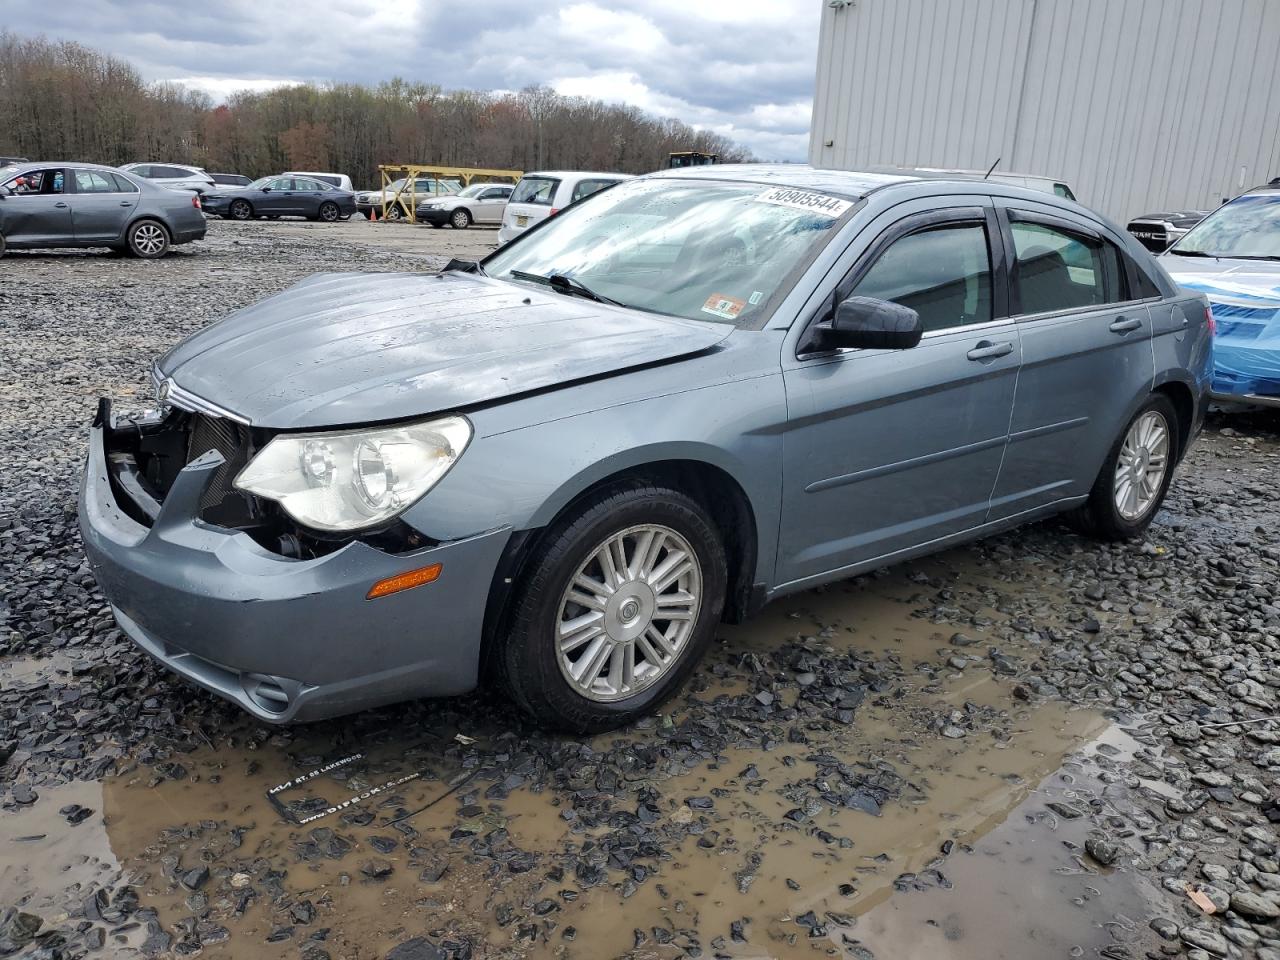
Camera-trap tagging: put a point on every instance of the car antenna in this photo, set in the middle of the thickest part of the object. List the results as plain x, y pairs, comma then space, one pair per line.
993, 167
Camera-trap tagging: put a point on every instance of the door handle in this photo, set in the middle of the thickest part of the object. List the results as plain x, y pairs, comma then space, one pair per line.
126, 203
1125, 324
986, 350
60, 203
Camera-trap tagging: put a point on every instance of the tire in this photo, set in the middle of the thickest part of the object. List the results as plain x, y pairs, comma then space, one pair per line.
460, 219
1101, 516
148, 239
3, 245
530, 664
240, 210
329, 212
395, 212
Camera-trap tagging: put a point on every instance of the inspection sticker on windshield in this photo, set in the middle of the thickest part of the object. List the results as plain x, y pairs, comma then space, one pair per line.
718, 305
805, 200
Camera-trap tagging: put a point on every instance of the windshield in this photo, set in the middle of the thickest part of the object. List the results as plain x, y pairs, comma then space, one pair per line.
1246, 228
704, 250
474, 190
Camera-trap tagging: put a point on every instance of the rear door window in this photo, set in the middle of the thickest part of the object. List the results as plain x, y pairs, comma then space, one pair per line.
89, 181
1059, 269
539, 190
943, 273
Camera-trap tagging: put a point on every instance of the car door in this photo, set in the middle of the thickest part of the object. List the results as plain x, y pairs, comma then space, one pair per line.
99, 207
277, 197
890, 450
490, 205
1086, 347
37, 211
307, 196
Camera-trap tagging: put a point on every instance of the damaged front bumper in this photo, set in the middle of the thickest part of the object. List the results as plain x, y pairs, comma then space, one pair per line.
287, 639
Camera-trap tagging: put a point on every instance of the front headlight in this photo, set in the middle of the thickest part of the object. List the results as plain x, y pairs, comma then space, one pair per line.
356, 478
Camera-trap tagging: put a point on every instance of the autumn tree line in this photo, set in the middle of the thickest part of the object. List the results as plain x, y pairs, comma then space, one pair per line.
64, 101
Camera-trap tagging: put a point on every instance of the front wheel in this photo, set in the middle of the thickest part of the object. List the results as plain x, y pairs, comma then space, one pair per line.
240, 210
329, 211
1135, 476
148, 239
616, 607
460, 220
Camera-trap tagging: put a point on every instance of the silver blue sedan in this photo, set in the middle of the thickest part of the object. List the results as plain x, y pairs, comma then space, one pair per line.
684, 396
283, 197
81, 205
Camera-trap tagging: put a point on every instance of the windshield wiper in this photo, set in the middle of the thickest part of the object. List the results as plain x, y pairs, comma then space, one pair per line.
1192, 253
566, 285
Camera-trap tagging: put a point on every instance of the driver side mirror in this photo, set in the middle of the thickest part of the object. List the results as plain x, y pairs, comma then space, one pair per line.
266, 189
866, 323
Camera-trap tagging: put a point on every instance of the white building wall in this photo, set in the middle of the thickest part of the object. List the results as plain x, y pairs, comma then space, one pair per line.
1141, 105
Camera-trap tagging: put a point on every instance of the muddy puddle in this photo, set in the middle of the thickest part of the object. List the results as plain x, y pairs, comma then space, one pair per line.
846, 777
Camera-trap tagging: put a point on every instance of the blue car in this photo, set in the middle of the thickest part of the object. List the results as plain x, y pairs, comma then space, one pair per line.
283, 197
560, 468
1233, 257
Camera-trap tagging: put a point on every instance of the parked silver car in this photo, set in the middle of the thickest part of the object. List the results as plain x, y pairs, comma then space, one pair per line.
481, 203
684, 396
396, 196
81, 205
173, 176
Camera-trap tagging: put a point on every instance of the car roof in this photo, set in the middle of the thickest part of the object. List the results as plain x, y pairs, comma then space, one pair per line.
64, 164
852, 183
562, 174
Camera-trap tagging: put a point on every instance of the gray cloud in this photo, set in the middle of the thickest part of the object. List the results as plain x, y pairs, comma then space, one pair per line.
743, 68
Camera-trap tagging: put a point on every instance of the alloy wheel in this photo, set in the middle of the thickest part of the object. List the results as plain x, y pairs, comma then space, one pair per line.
628, 613
148, 239
1141, 466
328, 212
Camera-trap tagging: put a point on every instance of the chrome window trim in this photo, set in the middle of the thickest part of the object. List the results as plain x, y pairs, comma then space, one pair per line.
184, 399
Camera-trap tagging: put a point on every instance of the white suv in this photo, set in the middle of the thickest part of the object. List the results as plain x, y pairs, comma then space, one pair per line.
541, 195
172, 176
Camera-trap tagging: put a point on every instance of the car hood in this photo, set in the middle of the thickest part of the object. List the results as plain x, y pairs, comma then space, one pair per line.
1179, 218
344, 349
1238, 282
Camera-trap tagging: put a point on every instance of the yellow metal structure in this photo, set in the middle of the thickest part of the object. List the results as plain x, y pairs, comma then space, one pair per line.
406, 197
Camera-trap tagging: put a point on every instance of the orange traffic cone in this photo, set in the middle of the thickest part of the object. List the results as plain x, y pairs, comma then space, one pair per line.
373, 214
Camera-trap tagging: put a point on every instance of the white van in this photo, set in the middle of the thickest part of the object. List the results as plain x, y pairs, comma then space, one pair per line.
541, 195
339, 180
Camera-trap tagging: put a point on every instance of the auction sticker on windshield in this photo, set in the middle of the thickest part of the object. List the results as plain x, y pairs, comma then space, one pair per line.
805, 200
718, 305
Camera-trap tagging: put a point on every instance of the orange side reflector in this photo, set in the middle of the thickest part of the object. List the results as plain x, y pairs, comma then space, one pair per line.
404, 581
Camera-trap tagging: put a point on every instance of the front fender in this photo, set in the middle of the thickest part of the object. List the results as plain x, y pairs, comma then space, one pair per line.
524, 477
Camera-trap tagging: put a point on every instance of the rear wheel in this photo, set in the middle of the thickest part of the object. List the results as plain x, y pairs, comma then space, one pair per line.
616, 608
460, 220
329, 211
240, 210
1135, 476
148, 239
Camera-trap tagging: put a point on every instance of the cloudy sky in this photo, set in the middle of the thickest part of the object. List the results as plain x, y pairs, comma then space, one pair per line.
743, 68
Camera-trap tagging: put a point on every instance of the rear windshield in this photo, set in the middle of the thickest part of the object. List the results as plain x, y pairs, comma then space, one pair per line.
535, 190
230, 178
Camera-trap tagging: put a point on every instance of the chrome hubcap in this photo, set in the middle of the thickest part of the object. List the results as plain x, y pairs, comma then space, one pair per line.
148, 239
1140, 471
627, 614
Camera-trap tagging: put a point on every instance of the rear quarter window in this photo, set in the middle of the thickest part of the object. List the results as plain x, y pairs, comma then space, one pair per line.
585, 188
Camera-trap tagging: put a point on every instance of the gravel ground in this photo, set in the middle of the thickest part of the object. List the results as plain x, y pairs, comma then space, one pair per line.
1035, 746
